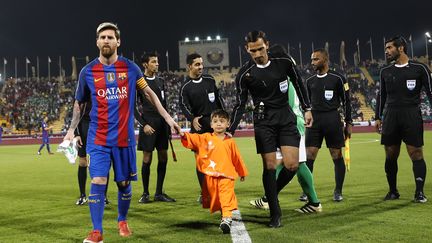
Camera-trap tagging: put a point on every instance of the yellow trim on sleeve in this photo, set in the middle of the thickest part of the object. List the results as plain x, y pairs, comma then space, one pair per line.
141, 83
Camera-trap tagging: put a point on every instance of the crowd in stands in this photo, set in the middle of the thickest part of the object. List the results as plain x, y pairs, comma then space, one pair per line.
24, 103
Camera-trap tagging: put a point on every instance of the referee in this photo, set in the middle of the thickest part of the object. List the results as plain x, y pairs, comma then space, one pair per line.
198, 98
327, 90
398, 116
266, 79
154, 132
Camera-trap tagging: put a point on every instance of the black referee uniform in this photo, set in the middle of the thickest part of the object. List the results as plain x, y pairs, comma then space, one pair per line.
327, 92
274, 120
200, 97
268, 86
398, 106
398, 103
146, 114
82, 128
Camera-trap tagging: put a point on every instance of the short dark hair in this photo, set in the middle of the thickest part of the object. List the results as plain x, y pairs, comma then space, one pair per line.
220, 113
278, 50
145, 57
398, 41
255, 35
322, 51
108, 26
191, 57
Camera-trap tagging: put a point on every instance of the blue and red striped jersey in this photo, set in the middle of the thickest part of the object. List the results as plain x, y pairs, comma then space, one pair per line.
111, 90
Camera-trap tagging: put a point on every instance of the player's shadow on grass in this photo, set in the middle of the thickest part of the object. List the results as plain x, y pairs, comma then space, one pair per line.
357, 212
194, 225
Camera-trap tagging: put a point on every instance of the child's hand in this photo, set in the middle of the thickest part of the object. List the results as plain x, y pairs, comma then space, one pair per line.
242, 178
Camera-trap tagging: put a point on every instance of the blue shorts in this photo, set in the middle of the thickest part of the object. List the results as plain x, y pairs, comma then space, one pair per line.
45, 140
123, 160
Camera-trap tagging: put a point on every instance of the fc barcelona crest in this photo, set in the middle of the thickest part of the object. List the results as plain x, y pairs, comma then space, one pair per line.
122, 76
110, 77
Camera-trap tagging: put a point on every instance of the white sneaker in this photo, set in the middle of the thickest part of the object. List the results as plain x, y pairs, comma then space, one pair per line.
309, 208
260, 203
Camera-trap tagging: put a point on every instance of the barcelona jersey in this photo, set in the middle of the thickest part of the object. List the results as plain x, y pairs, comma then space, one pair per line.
44, 125
111, 90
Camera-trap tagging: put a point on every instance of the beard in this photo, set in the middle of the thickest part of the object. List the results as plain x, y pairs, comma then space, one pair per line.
259, 60
392, 57
107, 51
318, 67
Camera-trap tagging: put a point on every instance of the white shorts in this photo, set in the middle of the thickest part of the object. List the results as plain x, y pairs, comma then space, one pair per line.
302, 150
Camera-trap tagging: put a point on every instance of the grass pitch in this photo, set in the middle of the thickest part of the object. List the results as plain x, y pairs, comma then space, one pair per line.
38, 194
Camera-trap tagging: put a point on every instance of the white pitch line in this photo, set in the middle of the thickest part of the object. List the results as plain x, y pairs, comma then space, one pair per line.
239, 233
369, 141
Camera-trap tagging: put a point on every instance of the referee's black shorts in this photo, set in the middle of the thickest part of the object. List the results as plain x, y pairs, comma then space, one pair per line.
277, 128
402, 124
328, 125
83, 127
158, 140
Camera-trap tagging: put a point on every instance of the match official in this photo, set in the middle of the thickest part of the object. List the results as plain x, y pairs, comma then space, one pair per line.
199, 97
153, 130
398, 115
266, 79
328, 91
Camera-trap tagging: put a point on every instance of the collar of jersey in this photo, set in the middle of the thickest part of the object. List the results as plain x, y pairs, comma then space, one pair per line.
322, 76
401, 65
150, 78
197, 81
265, 65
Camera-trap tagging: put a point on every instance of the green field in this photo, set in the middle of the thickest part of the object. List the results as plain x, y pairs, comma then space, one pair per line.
38, 193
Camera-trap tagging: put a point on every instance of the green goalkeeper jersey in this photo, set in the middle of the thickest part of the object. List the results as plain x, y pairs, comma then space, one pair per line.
294, 103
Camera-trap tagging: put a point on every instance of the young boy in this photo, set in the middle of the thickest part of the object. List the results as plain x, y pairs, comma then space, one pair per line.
218, 158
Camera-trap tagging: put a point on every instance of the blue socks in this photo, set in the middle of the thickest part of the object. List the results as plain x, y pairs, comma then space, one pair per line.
124, 199
97, 205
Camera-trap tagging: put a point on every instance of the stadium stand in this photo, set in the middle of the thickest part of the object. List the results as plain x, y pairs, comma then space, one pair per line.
24, 103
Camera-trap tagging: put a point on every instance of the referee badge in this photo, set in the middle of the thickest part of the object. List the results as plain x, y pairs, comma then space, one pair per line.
211, 97
411, 84
328, 94
283, 86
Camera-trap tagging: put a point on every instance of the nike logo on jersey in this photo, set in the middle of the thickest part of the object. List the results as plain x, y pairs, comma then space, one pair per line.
98, 79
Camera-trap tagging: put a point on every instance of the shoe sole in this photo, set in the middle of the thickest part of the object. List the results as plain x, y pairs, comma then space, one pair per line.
275, 226
337, 200
89, 241
125, 235
313, 210
80, 204
163, 201
225, 229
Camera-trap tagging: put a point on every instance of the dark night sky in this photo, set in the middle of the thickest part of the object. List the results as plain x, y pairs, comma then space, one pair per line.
66, 28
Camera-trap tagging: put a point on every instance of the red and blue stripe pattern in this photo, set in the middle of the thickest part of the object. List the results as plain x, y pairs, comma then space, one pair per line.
112, 92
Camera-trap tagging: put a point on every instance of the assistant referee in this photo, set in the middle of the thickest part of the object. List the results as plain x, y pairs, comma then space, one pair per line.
398, 115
